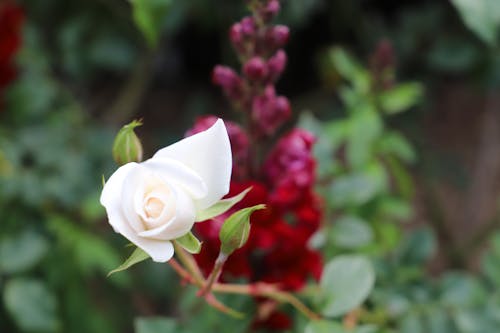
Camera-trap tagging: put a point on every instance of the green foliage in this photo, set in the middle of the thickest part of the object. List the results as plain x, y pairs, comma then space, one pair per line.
149, 17
482, 17
155, 325
32, 305
345, 284
21, 252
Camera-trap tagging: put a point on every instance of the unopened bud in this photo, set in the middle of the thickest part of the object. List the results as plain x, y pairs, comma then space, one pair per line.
248, 26
278, 36
236, 34
224, 76
127, 147
276, 64
236, 229
230, 82
271, 10
255, 69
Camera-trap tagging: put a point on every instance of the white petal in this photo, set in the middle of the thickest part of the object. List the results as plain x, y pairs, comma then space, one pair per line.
159, 251
208, 153
112, 191
175, 172
180, 224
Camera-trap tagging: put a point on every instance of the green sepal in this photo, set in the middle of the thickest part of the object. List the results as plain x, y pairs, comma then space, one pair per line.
190, 243
221, 207
136, 257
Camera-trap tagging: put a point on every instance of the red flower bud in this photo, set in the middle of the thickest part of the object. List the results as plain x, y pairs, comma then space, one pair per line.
255, 69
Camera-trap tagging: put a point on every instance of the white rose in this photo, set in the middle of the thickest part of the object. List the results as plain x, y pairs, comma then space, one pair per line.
156, 201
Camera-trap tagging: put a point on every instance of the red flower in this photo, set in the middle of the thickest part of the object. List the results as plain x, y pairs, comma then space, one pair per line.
277, 250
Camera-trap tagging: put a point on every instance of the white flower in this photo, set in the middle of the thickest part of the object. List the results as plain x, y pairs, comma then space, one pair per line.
156, 201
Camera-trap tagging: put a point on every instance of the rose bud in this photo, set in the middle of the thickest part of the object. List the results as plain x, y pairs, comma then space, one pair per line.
127, 147
255, 69
157, 201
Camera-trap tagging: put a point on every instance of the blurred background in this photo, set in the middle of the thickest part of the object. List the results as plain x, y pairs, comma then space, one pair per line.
73, 72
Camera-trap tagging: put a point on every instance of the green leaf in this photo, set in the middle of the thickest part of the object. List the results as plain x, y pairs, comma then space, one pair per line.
419, 247
365, 128
346, 282
394, 143
155, 325
31, 305
190, 243
221, 207
235, 230
351, 232
21, 252
358, 188
482, 17
324, 326
136, 257
350, 69
149, 17
401, 97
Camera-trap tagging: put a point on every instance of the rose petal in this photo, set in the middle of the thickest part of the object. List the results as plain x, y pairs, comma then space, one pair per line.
159, 251
180, 224
208, 153
175, 172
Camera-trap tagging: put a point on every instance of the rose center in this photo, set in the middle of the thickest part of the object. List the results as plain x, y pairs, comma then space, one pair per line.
154, 207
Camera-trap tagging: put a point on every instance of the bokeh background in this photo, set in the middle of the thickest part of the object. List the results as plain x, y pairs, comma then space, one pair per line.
82, 69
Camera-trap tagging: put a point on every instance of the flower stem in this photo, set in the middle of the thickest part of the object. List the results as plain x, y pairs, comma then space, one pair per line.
190, 264
214, 275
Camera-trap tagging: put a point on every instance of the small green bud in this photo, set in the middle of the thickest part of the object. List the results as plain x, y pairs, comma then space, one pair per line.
235, 230
127, 146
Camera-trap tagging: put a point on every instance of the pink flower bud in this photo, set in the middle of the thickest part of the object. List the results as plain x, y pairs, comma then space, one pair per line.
278, 36
271, 9
255, 69
230, 82
236, 34
276, 64
248, 26
270, 111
